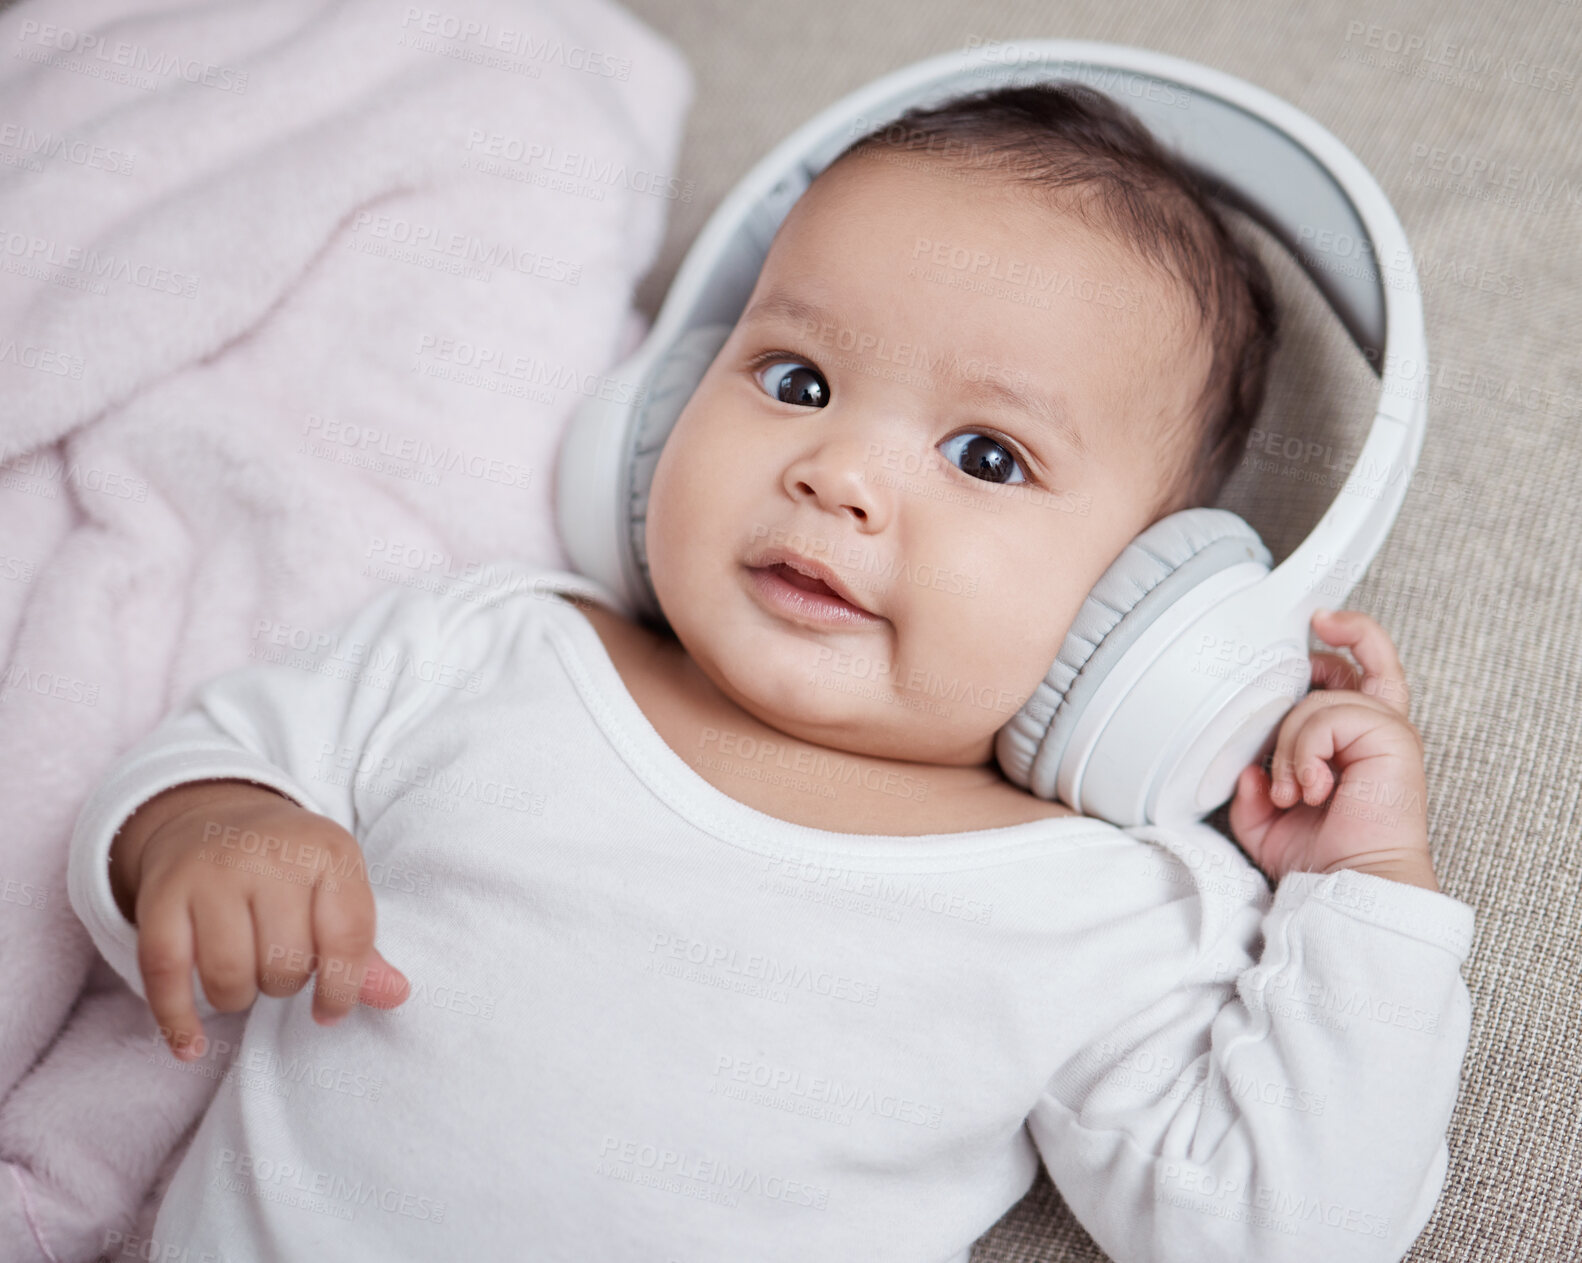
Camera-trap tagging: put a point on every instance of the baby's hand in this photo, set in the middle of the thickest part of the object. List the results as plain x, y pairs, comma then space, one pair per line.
1377, 819
254, 918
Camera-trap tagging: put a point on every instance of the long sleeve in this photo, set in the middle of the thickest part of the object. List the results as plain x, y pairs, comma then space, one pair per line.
1287, 1101
302, 723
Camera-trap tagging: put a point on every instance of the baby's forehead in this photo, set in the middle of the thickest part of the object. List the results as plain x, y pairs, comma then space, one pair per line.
887, 231
896, 196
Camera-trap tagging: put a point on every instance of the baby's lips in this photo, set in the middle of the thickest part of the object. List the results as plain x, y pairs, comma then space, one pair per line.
384, 986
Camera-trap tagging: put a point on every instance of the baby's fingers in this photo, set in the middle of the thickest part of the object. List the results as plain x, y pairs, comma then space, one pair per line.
1331, 671
1350, 734
1310, 754
1297, 779
384, 986
1383, 676
343, 936
164, 958
1284, 787
284, 937
222, 939
1251, 810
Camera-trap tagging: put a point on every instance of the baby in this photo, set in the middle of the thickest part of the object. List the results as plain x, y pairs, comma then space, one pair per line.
734, 943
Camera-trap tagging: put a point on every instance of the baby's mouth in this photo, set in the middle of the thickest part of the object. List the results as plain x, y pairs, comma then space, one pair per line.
806, 582
784, 587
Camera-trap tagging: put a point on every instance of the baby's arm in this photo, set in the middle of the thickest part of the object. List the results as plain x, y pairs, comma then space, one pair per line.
221, 804
1286, 1101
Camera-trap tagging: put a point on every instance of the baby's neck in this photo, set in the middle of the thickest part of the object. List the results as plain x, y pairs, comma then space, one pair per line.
819, 786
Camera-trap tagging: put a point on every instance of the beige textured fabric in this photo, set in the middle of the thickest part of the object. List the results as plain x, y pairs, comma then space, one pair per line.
1480, 581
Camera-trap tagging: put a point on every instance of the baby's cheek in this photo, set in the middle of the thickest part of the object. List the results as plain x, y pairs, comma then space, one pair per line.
980, 664
1026, 638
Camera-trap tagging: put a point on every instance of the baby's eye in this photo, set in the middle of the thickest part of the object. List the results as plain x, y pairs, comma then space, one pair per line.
802, 385
982, 457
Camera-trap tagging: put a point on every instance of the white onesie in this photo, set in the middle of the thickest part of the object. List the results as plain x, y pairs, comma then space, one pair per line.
649, 1022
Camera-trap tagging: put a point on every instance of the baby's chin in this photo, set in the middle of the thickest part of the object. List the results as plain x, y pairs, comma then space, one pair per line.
834, 708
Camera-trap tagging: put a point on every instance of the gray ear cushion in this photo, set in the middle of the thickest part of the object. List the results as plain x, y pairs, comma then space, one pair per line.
670, 383
1163, 563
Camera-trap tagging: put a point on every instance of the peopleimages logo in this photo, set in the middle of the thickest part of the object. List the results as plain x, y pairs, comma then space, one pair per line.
334, 1193
31, 255
29, 145
505, 47
453, 250
93, 54
747, 1078
762, 967
678, 1170
491, 149
43, 359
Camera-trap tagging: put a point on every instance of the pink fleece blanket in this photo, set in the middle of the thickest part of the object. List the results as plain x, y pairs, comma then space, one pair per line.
296, 297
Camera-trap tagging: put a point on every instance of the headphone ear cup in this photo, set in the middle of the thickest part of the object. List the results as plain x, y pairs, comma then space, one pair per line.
670, 383
1156, 569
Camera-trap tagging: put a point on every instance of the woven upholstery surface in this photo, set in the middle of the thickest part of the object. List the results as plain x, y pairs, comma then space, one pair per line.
1480, 581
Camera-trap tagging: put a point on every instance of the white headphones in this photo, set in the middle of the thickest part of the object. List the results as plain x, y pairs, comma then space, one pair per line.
1189, 651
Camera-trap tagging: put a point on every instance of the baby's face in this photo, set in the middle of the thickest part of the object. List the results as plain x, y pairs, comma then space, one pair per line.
966, 455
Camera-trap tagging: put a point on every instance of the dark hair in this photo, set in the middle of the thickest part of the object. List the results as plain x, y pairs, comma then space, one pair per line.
1097, 159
